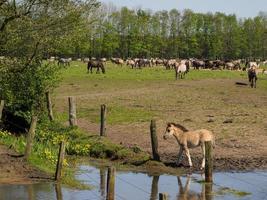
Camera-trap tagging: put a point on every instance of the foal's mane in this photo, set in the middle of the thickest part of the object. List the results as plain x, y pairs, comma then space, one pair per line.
178, 126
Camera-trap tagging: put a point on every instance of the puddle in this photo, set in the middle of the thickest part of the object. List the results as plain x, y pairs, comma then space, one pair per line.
140, 186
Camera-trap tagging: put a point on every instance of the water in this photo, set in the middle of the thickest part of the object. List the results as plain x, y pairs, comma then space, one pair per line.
140, 186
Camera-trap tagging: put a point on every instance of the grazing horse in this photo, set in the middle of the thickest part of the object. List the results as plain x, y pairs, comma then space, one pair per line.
252, 76
64, 62
181, 69
188, 139
95, 64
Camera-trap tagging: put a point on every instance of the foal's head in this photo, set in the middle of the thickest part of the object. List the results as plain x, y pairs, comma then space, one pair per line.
172, 128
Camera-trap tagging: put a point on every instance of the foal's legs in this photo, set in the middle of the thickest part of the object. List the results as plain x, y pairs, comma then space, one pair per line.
203, 152
188, 156
179, 155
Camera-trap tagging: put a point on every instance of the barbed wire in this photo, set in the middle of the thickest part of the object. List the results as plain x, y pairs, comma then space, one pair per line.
133, 185
97, 182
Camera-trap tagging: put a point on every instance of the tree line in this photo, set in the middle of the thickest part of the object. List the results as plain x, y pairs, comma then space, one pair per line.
172, 34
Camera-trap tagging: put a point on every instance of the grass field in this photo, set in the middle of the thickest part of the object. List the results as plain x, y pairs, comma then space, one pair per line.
134, 95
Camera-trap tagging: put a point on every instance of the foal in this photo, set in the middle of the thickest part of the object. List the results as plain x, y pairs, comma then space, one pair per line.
188, 139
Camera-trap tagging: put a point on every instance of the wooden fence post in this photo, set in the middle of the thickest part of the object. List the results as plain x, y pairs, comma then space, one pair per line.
2, 104
154, 140
163, 196
111, 184
208, 162
49, 106
30, 137
60, 160
103, 120
72, 112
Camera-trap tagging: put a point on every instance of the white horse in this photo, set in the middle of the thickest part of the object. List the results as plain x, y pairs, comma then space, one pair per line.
189, 139
181, 69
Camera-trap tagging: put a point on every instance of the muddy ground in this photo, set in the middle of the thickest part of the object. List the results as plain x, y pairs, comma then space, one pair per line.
237, 115
14, 169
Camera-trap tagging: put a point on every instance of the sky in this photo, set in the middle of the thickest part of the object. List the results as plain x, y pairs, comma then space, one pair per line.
242, 8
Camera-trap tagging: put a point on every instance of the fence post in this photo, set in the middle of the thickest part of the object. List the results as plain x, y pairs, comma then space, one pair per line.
208, 162
72, 112
49, 106
60, 160
163, 196
111, 184
30, 137
154, 140
103, 120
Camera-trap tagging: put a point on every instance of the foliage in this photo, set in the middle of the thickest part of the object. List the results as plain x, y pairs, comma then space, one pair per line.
29, 32
141, 33
79, 143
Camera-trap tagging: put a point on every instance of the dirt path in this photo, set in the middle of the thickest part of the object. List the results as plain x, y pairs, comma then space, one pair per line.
15, 170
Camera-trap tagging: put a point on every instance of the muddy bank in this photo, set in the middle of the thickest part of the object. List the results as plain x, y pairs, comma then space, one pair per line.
14, 169
221, 164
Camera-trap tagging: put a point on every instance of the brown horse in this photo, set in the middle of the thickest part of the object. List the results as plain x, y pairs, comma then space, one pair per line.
188, 139
252, 76
95, 64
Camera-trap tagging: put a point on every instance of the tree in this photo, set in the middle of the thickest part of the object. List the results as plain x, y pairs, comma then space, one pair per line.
30, 30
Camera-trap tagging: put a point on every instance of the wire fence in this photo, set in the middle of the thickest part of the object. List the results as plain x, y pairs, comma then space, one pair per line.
257, 188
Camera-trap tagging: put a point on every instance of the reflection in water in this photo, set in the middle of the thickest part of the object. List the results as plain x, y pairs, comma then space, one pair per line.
30, 192
58, 191
186, 194
27, 192
208, 191
102, 173
133, 186
154, 188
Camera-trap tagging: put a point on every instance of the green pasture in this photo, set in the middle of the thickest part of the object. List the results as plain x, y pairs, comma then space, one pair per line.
137, 95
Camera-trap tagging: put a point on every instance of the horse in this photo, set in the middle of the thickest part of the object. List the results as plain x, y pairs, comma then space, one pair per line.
117, 61
181, 69
64, 61
95, 64
189, 139
252, 76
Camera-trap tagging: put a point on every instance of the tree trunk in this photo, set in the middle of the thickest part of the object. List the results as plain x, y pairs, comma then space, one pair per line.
1, 109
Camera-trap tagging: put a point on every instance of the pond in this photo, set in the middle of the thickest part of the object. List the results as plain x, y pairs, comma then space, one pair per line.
141, 186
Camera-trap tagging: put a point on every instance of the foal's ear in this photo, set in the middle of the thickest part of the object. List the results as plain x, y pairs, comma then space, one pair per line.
169, 124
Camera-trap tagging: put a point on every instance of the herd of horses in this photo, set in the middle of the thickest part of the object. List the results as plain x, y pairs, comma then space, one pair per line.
181, 67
